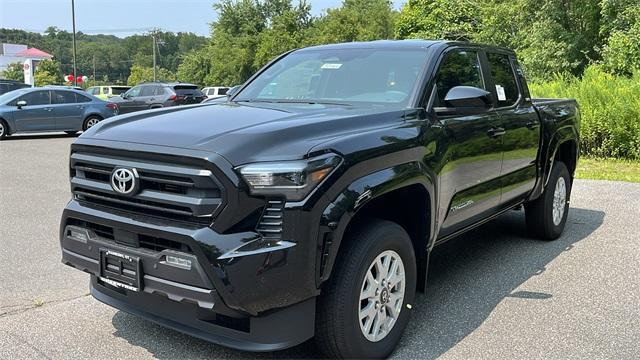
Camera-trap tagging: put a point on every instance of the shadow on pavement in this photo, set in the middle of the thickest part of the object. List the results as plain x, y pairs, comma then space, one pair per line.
468, 277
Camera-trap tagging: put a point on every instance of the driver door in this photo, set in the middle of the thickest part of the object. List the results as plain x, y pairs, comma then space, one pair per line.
470, 178
131, 100
37, 115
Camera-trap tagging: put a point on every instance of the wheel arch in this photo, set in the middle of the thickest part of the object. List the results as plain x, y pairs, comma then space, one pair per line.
7, 124
396, 194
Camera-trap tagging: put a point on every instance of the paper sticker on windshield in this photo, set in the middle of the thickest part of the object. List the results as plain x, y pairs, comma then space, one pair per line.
500, 91
332, 66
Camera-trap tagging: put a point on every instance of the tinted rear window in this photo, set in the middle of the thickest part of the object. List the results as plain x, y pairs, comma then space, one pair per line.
118, 90
187, 90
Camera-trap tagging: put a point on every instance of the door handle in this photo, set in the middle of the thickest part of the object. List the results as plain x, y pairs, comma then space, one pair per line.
47, 109
496, 132
80, 107
532, 125
152, 99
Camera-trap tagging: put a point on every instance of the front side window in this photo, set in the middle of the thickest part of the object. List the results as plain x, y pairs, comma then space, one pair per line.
351, 76
135, 91
35, 98
458, 68
504, 79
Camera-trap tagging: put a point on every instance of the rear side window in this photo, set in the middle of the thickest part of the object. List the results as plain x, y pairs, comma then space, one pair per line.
459, 68
63, 97
504, 79
222, 91
148, 90
82, 98
159, 90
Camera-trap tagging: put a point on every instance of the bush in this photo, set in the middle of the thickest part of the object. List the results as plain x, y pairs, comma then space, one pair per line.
610, 108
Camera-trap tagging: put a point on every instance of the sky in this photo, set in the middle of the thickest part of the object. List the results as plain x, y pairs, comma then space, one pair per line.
122, 17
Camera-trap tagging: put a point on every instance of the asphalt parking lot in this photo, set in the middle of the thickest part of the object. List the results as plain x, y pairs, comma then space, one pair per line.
493, 293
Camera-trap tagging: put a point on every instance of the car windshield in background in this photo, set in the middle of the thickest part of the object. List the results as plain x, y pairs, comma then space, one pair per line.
119, 90
11, 94
350, 76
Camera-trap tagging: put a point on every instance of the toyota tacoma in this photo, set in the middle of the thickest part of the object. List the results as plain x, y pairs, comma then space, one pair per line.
308, 204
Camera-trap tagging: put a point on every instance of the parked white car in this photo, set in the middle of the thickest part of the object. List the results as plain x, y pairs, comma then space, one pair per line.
213, 92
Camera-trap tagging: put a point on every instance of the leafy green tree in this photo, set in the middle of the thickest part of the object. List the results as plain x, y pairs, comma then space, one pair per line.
621, 54
141, 74
438, 19
48, 73
356, 20
14, 71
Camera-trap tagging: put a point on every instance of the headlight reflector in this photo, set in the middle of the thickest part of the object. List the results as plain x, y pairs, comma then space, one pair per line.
293, 179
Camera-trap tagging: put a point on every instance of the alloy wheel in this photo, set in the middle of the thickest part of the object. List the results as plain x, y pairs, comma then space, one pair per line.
381, 296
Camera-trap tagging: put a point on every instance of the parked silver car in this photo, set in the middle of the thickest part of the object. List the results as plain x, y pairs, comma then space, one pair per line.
51, 109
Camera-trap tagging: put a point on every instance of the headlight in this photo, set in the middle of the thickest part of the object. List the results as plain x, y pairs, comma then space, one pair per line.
292, 179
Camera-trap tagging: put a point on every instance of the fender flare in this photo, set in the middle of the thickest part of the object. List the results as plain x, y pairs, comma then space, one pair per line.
338, 214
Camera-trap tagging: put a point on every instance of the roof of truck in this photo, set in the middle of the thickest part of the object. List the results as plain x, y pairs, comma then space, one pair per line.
401, 44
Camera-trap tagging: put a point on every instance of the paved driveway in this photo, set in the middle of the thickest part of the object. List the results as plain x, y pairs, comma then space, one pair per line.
492, 293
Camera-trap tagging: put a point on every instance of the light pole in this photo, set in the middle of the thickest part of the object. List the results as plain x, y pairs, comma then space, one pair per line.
73, 19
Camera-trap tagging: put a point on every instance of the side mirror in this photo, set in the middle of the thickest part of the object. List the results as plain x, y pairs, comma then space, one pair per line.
231, 92
468, 98
21, 103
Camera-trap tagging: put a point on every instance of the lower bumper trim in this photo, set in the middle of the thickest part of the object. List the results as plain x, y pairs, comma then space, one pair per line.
276, 330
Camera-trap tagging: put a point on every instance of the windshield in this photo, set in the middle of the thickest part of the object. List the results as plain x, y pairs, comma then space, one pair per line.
349, 76
6, 97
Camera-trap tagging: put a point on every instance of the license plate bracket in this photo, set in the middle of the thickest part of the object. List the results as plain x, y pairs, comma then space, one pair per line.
120, 269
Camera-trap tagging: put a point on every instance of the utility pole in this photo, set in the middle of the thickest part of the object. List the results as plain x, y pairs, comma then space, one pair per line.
73, 19
94, 69
153, 36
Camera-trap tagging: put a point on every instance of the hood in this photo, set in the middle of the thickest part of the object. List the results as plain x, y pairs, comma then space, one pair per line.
244, 133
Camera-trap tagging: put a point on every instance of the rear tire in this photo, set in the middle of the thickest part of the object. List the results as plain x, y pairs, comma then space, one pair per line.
341, 329
91, 121
4, 129
547, 215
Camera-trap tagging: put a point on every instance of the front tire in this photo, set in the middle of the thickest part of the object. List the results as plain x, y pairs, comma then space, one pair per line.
364, 308
4, 129
547, 215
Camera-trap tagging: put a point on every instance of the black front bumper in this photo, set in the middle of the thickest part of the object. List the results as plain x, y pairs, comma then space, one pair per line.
213, 299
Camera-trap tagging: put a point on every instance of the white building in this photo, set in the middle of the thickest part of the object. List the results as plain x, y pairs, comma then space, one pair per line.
17, 53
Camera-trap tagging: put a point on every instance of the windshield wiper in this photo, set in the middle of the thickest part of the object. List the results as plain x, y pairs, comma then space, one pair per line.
295, 101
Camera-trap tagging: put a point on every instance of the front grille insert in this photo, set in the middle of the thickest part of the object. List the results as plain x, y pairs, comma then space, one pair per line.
143, 241
170, 190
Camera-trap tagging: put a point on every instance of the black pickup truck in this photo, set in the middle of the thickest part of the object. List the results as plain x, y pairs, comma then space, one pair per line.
308, 204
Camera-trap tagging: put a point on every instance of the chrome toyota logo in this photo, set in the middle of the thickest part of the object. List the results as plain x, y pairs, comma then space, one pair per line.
124, 181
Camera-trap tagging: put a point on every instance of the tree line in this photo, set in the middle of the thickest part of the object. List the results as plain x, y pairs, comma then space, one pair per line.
551, 37
110, 58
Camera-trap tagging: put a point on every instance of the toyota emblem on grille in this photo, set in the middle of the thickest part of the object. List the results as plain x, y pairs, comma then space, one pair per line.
124, 181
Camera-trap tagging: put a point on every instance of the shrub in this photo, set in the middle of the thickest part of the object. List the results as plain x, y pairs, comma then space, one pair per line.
610, 108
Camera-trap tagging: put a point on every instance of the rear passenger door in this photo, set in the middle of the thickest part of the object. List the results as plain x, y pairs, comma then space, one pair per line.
67, 111
521, 123
470, 178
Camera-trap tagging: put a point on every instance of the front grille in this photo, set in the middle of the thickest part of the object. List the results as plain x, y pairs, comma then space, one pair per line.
270, 224
169, 190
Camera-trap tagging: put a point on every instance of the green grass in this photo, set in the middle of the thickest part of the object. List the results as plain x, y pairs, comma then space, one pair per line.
608, 169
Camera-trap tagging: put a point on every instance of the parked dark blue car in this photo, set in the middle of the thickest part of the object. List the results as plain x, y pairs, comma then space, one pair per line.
51, 109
